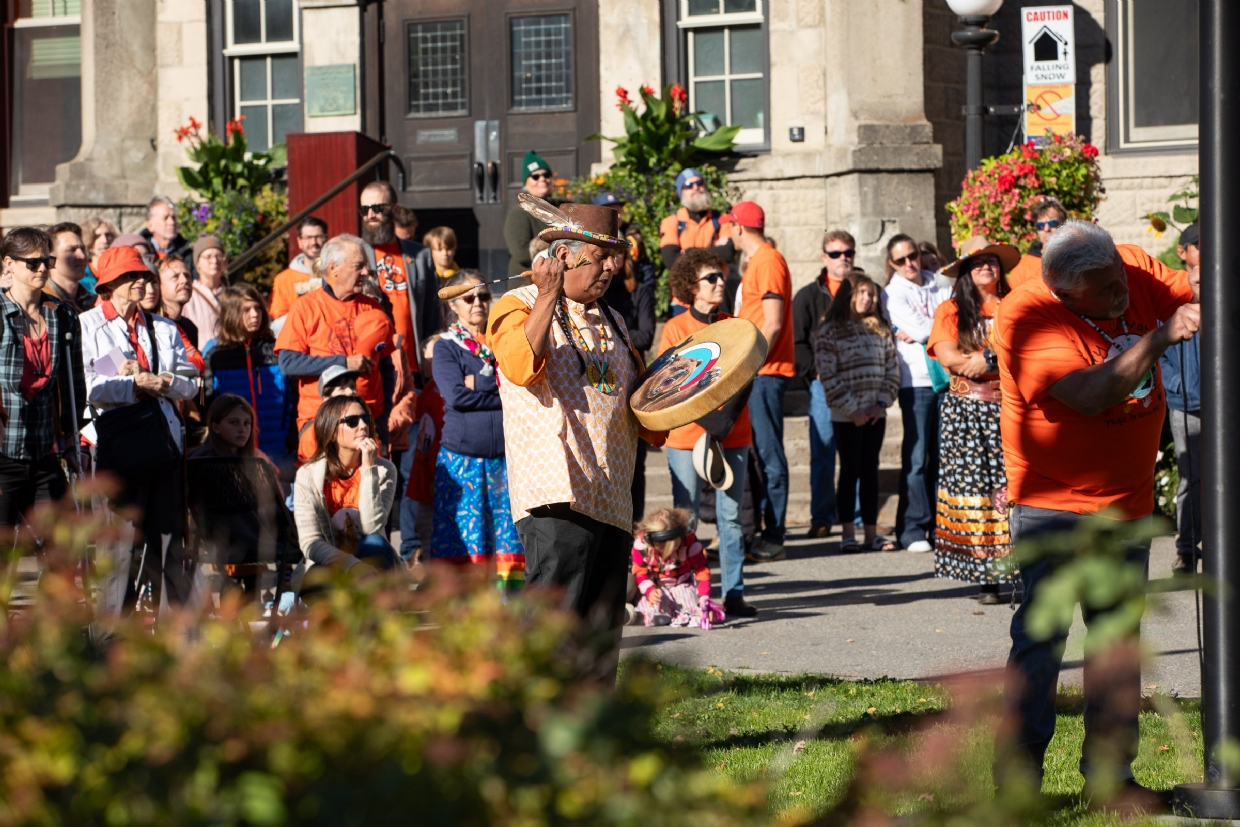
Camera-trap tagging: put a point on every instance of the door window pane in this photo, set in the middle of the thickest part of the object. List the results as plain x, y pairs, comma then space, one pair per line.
255, 126
48, 8
697, 7
437, 68
253, 82
747, 104
284, 77
279, 20
285, 118
746, 48
47, 102
709, 97
1165, 71
542, 62
247, 21
734, 6
708, 50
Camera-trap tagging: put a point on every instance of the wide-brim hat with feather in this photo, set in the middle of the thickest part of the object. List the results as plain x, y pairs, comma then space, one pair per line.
1008, 255
577, 222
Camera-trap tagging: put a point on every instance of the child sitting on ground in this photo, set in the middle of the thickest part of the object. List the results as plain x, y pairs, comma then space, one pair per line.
442, 244
671, 572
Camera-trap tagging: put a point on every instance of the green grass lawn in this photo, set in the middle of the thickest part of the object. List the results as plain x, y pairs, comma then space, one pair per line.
804, 733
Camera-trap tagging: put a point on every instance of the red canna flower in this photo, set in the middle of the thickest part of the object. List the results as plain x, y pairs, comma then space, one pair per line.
234, 126
623, 95
648, 90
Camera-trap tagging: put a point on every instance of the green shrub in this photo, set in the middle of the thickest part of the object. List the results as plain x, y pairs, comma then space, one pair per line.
378, 710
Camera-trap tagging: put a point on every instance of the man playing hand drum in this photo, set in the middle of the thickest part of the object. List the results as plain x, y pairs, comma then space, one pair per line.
567, 371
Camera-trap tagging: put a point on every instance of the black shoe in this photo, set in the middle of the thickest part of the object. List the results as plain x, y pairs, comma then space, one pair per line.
764, 551
1127, 798
817, 531
737, 607
988, 594
661, 620
1183, 566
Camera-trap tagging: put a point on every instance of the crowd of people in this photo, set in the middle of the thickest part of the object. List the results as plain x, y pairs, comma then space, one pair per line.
311, 427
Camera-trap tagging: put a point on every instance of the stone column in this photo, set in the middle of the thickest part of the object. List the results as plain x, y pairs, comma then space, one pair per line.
629, 40
116, 170
331, 32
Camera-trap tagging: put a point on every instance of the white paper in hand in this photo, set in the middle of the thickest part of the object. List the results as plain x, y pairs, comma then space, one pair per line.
110, 363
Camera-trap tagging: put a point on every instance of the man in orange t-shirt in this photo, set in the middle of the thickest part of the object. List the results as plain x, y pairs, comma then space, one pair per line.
765, 298
298, 280
1082, 412
339, 325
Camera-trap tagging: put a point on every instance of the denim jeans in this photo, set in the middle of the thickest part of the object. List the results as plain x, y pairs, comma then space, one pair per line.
375, 547
919, 465
766, 413
1112, 695
409, 540
686, 490
821, 458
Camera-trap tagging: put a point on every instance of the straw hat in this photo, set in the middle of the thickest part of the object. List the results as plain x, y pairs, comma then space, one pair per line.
1008, 255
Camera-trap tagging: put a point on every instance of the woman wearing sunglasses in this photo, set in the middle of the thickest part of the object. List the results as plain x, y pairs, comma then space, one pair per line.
911, 298
39, 332
342, 496
473, 516
697, 279
1048, 216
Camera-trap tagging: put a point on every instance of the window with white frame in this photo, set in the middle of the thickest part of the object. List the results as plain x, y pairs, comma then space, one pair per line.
1155, 79
725, 43
46, 74
264, 57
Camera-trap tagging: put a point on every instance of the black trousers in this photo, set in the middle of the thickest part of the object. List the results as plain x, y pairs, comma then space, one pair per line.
24, 482
859, 447
588, 562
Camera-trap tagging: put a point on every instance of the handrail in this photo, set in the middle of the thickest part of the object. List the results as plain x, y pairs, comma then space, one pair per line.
248, 256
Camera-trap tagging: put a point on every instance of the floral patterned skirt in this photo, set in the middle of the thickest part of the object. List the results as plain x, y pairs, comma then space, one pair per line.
971, 535
472, 521
678, 600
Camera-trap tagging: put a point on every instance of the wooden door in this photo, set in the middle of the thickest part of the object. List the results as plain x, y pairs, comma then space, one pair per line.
471, 86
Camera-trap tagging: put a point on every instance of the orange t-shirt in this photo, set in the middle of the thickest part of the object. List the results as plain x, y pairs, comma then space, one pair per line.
284, 291
701, 233
767, 275
1029, 268
341, 499
833, 286
1056, 457
390, 271
675, 331
321, 325
947, 326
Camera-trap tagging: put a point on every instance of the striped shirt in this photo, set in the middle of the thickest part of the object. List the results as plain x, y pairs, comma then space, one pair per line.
857, 367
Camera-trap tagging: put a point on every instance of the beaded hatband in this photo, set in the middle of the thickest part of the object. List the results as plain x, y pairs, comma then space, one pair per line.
589, 236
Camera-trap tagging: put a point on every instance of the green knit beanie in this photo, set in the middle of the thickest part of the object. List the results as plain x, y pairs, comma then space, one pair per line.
534, 163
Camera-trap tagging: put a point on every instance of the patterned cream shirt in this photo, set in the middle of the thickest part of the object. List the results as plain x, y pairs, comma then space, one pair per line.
565, 441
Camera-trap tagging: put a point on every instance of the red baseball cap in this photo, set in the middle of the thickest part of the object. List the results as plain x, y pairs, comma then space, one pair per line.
747, 214
115, 262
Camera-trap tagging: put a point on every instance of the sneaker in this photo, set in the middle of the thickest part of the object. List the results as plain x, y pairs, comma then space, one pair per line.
661, 620
737, 607
764, 551
630, 614
817, 531
1183, 566
919, 547
712, 549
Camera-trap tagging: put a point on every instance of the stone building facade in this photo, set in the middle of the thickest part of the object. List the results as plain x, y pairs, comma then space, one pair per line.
851, 109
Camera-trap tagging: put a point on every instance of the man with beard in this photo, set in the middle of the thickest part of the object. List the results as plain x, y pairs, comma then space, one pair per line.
695, 224
570, 436
404, 269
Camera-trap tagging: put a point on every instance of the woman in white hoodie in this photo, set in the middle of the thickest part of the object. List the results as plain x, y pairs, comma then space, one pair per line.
911, 298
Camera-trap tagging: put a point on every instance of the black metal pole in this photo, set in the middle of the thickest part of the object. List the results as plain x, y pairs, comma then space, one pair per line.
975, 38
1219, 796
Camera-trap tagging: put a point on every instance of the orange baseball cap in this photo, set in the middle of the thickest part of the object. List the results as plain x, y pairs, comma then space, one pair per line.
747, 214
116, 262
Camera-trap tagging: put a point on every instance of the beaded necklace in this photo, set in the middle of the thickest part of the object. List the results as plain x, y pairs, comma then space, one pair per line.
598, 370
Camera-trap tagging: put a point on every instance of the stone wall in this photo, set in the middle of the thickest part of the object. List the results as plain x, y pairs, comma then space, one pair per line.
630, 55
183, 68
330, 33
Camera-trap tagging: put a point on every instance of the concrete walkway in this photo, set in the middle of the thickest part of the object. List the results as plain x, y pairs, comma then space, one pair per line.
885, 614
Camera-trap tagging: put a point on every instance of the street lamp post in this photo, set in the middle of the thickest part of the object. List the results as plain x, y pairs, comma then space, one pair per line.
974, 15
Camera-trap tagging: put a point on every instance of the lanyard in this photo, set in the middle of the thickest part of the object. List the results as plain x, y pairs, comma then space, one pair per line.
1123, 324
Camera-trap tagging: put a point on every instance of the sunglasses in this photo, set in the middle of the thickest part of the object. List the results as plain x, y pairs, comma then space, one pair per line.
540, 176
382, 209
353, 420
849, 253
32, 264
470, 298
911, 257
713, 278
1053, 224
694, 185
984, 261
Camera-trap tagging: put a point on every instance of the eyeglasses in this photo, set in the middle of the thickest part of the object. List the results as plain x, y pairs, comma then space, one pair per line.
1053, 224
382, 209
353, 420
911, 257
849, 253
713, 278
694, 185
32, 264
470, 298
540, 176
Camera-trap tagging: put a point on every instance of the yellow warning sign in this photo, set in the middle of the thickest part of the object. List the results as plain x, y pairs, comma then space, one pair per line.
1050, 107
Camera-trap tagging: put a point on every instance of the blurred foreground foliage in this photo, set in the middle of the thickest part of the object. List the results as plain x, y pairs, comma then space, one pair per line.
439, 708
